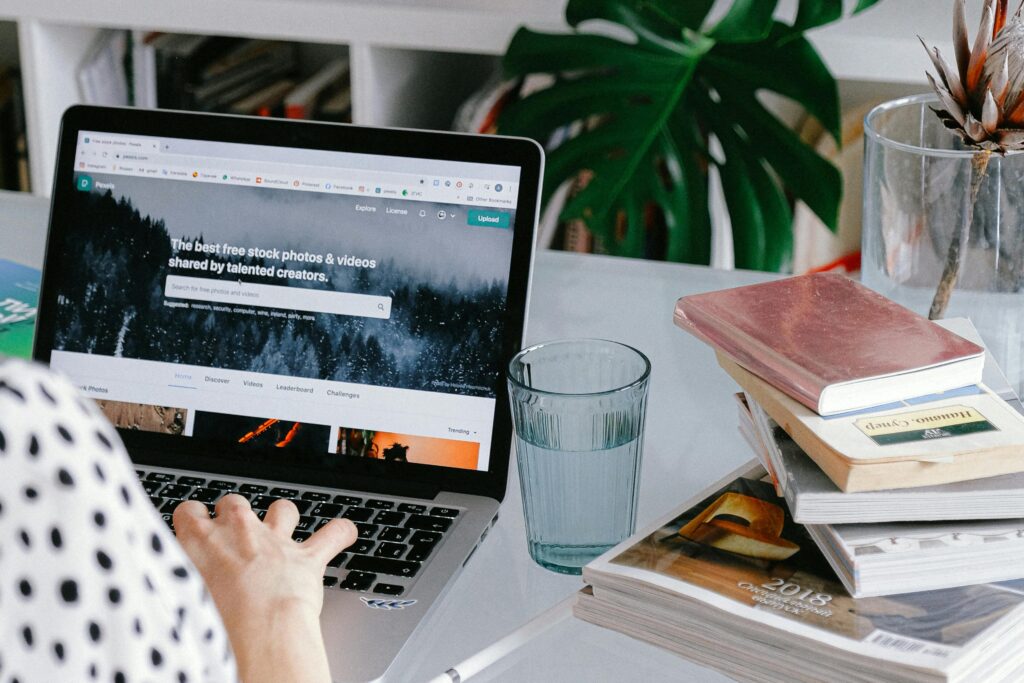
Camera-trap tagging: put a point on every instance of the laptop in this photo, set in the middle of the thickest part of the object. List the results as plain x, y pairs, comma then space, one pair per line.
309, 311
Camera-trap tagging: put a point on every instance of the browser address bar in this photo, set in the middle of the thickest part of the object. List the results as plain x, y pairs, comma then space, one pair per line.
275, 296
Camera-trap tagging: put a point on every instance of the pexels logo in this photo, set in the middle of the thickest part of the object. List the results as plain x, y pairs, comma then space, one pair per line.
379, 603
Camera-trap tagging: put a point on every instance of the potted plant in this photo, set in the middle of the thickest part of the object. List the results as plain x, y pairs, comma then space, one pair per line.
648, 118
944, 187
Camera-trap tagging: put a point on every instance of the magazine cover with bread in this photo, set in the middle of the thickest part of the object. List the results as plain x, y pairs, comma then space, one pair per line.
738, 554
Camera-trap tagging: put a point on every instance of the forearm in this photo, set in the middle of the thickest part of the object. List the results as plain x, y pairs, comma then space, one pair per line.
286, 646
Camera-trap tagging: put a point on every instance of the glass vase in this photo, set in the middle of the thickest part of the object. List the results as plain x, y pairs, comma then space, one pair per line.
917, 197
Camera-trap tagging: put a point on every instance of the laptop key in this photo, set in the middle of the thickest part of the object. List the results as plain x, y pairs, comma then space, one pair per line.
169, 519
160, 476
305, 523
444, 512
418, 553
191, 481
320, 523
383, 565
395, 534
175, 491
425, 538
204, 495
358, 514
327, 510
338, 560
389, 518
170, 506
428, 523
262, 502
348, 500
361, 547
367, 530
253, 488
222, 485
302, 505
379, 504
410, 507
330, 581
392, 550
141, 474
151, 486
261, 514
316, 496
284, 493
358, 581
300, 536
388, 589
157, 501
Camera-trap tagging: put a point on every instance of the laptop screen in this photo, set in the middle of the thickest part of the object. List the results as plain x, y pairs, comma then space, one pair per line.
267, 297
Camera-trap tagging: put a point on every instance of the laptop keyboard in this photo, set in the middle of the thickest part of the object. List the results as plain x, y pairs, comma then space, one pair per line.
396, 537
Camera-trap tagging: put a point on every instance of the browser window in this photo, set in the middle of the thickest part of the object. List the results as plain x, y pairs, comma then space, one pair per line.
273, 297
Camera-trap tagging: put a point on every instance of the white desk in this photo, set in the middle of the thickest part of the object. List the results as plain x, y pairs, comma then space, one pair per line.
691, 440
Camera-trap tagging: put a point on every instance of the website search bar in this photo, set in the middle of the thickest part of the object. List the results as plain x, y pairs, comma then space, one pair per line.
275, 296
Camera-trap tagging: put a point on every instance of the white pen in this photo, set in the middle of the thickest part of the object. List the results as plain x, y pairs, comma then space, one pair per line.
473, 665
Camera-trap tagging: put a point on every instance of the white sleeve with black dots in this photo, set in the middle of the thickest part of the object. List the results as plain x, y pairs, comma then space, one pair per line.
93, 586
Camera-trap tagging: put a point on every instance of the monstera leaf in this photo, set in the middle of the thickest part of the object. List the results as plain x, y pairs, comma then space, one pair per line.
642, 116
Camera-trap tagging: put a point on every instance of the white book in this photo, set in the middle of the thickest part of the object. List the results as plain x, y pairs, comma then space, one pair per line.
886, 559
729, 580
101, 76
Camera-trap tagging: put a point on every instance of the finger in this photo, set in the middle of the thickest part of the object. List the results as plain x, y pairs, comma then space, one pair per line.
282, 516
233, 507
331, 539
191, 518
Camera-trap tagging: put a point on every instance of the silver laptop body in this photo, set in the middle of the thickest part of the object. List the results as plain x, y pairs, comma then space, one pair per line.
291, 309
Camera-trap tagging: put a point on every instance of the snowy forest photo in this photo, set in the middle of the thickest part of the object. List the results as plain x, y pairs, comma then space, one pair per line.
447, 282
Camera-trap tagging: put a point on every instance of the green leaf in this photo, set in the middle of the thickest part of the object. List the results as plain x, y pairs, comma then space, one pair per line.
684, 205
533, 52
863, 5
688, 13
814, 13
761, 220
538, 115
788, 65
805, 173
746, 21
651, 28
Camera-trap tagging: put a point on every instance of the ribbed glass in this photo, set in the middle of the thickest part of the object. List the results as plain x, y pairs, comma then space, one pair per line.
578, 408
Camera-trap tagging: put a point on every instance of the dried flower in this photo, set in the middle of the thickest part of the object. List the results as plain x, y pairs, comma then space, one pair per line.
983, 99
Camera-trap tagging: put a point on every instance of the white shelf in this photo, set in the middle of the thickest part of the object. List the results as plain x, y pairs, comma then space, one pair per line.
413, 61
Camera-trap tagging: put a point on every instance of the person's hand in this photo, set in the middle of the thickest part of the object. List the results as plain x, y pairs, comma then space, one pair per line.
266, 586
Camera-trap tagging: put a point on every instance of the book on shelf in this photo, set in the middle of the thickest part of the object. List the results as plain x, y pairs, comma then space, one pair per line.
102, 77
268, 101
303, 101
814, 499
730, 581
831, 343
13, 141
959, 435
19, 298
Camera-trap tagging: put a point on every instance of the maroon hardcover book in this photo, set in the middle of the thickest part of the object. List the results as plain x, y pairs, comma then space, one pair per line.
830, 342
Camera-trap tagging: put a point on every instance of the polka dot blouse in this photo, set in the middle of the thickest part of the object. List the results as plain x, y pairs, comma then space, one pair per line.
93, 586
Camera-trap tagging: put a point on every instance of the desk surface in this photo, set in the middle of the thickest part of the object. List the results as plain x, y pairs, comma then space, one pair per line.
691, 440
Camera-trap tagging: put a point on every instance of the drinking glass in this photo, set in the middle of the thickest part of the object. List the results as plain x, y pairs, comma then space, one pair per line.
578, 408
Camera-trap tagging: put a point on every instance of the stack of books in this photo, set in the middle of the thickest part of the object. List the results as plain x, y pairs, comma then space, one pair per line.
880, 537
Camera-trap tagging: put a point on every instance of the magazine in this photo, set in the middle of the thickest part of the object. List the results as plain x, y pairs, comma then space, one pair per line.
734, 567
19, 296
